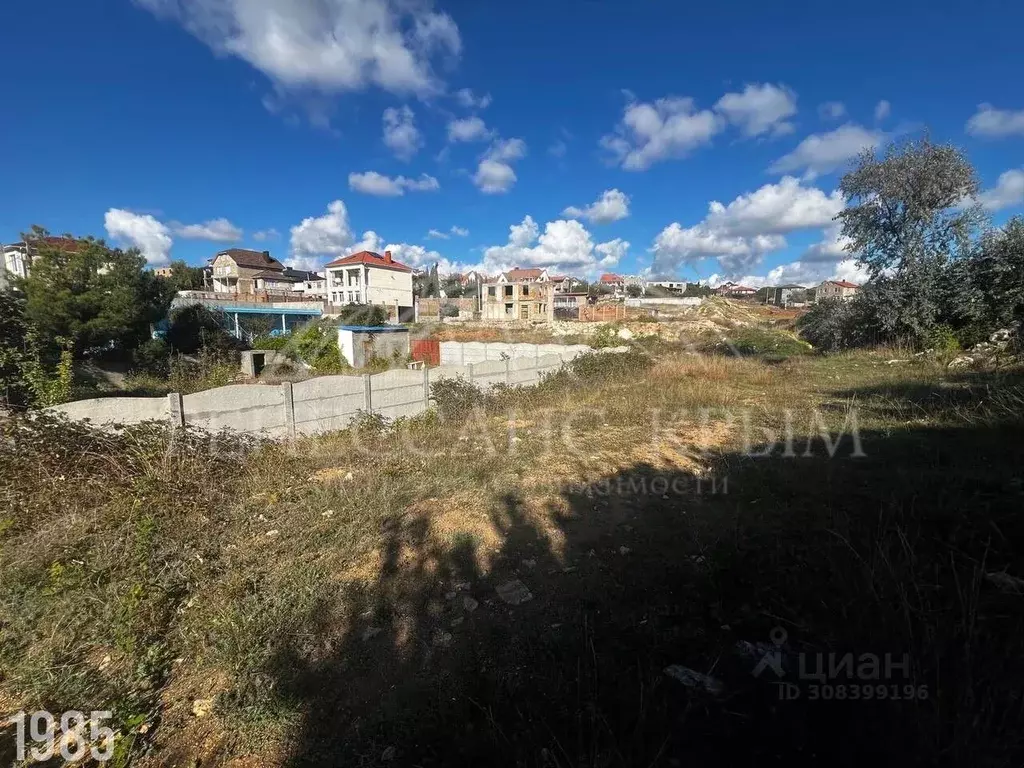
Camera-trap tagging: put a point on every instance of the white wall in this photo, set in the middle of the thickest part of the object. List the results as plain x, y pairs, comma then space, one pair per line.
318, 405
389, 287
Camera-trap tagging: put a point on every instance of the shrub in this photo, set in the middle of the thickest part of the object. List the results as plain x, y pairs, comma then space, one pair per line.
363, 314
153, 356
449, 310
941, 338
276, 343
456, 398
195, 326
833, 324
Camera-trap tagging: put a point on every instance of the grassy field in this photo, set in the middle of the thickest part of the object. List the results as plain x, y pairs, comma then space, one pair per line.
346, 600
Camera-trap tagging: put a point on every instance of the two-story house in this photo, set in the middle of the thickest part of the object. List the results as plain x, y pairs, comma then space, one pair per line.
836, 289
369, 278
308, 285
520, 300
238, 270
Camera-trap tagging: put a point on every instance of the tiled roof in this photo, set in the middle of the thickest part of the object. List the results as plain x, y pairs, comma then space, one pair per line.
842, 283
301, 274
252, 259
280, 277
608, 277
371, 259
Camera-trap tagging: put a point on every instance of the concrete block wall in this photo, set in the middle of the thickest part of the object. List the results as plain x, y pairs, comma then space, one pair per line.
464, 352
323, 404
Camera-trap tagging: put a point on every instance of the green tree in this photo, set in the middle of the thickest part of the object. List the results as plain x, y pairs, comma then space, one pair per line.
997, 276
27, 377
906, 222
185, 278
634, 291
92, 296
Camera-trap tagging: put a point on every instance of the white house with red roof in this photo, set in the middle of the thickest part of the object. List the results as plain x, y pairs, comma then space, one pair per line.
613, 281
369, 278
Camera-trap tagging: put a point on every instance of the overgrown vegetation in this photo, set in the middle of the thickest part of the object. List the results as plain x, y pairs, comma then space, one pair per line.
934, 265
275, 586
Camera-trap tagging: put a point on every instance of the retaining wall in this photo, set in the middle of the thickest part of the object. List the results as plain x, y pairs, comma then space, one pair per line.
329, 403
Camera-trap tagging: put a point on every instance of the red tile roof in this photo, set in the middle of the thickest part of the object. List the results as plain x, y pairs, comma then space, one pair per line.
843, 283
371, 259
608, 277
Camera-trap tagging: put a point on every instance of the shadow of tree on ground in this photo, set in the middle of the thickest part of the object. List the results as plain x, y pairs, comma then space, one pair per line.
883, 554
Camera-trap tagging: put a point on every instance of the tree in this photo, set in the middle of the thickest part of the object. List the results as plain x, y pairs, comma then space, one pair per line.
997, 276
92, 296
908, 218
25, 373
185, 278
634, 291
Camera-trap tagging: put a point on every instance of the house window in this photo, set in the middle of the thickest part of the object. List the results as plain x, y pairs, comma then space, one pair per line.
526, 290
491, 291
508, 309
508, 290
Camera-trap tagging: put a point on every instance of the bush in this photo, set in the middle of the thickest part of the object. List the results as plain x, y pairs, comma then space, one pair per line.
456, 398
363, 314
195, 326
941, 338
449, 310
153, 356
767, 343
276, 343
833, 324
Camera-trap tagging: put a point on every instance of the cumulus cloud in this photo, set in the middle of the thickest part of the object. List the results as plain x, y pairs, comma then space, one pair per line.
882, 110
320, 236
741, 233
1007, 193
216, 230
991, 123
460, 231
831, 110
831, 247
401, 135
265, 234
799, 273
759, 109
373, 183
494, 174
651, 132
822, 153
468, 129
564, 246
326, 46
140, 231
469, 100
613, 205
437, 234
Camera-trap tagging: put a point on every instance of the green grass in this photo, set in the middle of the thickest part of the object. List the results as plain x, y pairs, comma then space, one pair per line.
316, 591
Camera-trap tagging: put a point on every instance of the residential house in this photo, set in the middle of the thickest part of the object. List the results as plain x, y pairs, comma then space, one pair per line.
308, 285
163, 271
369, 278
565, 283
238, 270
836, 289
791, 295
533, 275
18, 257
735, 290
471, 278
520, 300
638, 280
676, 286
613, 281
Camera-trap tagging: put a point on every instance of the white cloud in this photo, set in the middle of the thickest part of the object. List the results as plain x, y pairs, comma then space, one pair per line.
420, 257
373, 183
328, 46
494, 175
1008, 191
327, 235
992, 123
740, 233
799, 273
564, 246
759, 109
460, 231
882, 110
667, 128
558, 148
613, 205
140, 231
401, 135
831, 110
468, 129
831, 248
825, 152
265, 234
437, 234
469, 100
217, 230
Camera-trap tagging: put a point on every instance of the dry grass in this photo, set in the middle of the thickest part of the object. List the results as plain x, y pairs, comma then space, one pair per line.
296, 583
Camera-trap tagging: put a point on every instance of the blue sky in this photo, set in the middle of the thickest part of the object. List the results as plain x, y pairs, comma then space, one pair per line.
691, 141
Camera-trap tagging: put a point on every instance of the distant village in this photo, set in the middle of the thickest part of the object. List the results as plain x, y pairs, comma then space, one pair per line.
368, 278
